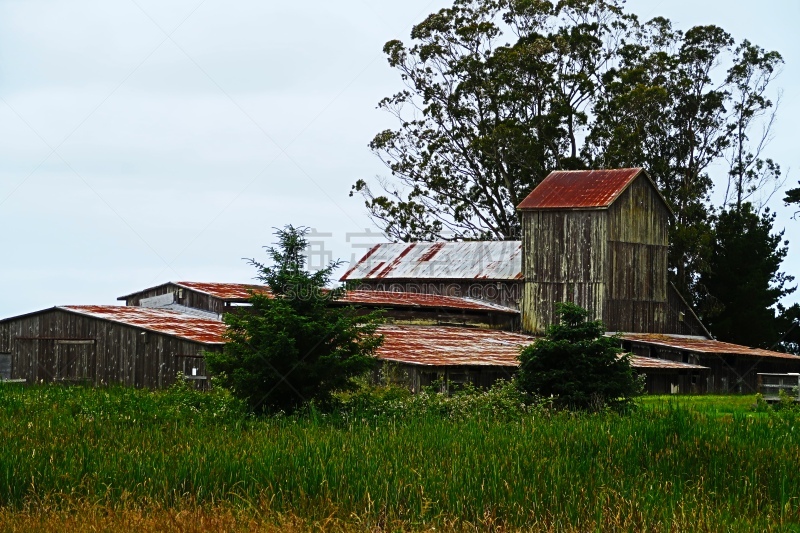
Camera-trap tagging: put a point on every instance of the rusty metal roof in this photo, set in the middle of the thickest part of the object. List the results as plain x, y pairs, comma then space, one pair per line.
414, 300
565, 189
702, 345
223, 291
483, 260
187, 327
454, 346
451, 346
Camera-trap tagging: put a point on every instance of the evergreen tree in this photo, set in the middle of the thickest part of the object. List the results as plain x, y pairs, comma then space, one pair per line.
293, 347
578, 365
743, 281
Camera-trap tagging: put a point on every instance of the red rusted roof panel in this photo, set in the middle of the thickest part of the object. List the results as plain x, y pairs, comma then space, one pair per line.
410, 299
488, 260
565, 189
223, 291
701, 345
171, 323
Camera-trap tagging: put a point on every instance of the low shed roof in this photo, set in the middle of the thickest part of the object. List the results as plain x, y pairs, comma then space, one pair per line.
187, 327
454, 346
472, 260
451, 346
702, 345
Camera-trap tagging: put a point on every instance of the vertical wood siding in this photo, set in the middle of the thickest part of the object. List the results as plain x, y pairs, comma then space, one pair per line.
564, 260
637, 274
57, 345
190, 298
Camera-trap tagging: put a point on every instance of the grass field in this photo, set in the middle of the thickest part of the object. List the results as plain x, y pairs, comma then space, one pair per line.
121, 459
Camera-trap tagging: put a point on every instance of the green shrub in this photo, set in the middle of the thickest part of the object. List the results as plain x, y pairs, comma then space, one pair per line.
577, 366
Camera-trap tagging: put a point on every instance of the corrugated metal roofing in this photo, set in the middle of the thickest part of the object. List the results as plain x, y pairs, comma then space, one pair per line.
171, 323
410, 299
445, 346
224, 291
701, 345
453, 346
579, 189
665, 364
485, 260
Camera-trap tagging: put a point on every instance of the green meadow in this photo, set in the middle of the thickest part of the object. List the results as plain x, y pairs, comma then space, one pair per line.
393, 462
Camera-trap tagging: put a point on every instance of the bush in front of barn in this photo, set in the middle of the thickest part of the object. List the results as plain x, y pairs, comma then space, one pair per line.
577, 366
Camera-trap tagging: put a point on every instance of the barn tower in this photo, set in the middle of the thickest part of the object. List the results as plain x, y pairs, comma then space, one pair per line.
598, 238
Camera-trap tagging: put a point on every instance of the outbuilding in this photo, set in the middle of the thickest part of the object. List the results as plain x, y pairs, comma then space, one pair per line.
101, 344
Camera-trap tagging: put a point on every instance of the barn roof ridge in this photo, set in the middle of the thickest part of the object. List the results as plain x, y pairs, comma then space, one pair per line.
585, 189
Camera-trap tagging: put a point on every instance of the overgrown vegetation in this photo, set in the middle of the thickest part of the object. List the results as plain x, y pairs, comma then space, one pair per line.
578, 366
482, 461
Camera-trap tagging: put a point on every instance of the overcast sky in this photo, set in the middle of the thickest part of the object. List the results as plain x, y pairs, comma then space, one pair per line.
147, 141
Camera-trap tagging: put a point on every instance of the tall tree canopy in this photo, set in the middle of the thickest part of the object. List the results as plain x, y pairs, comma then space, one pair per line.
501, 92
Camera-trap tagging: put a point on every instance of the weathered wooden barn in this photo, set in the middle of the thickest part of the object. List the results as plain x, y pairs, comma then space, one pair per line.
488, 270
599, 238
97, 345
455, 309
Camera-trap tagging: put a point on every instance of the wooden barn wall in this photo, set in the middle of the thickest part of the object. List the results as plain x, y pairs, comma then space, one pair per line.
5, 338
190, 298
61, 346
449, 378
564, 260
680, 319
639, 215
637, 261
501, 292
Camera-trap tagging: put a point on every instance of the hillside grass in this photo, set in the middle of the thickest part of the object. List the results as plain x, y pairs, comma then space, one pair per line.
116, 459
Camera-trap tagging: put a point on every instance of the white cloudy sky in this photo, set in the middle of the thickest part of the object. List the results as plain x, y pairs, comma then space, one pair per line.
144, 141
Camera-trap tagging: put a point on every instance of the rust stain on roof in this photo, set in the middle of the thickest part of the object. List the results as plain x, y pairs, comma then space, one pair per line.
701, 345
489, 260
223, 291
175, 324
410, 299
432, 251
365, 258
396, 261
579, 189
